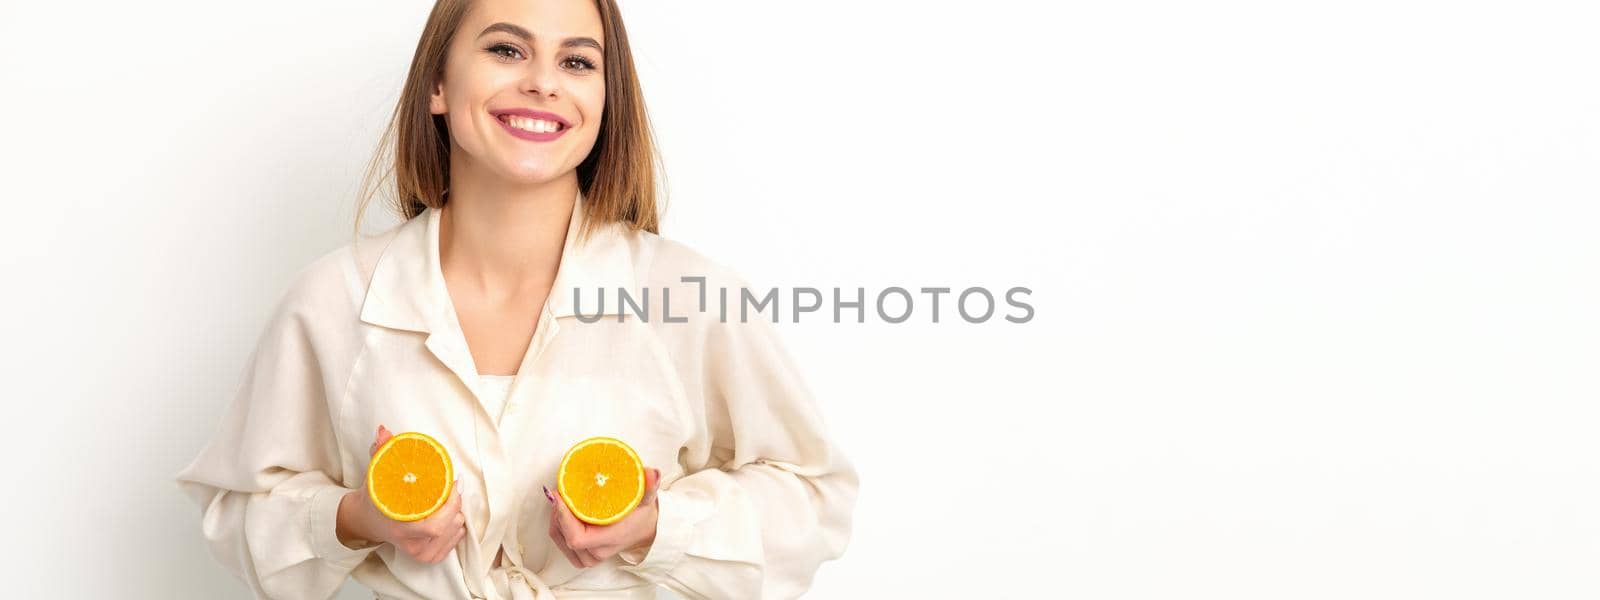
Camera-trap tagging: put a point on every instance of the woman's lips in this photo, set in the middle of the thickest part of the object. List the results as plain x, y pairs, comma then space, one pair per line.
531, 125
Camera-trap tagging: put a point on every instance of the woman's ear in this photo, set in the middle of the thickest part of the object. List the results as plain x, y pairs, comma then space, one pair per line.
436, 103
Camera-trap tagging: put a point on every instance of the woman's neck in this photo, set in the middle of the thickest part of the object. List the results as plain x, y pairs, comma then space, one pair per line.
504, 241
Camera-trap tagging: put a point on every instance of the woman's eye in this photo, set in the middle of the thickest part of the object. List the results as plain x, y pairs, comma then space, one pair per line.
577, 63
505, 52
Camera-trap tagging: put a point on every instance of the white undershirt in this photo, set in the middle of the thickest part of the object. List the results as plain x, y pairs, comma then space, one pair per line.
496, 388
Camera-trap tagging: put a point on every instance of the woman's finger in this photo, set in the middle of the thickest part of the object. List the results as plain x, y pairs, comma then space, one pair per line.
430, 551
652, 480
442, 544
454, 505
438, 529
588, 557
561, 544
444, 549
419, 548
575, 531
447, 547
383, 436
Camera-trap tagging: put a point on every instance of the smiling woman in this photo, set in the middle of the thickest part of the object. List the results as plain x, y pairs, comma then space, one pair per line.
521, 161
617, 176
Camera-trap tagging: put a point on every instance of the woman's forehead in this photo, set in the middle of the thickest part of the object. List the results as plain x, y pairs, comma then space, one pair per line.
556, 19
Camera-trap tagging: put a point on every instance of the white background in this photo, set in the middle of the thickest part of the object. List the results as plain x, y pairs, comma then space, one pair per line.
1316, 283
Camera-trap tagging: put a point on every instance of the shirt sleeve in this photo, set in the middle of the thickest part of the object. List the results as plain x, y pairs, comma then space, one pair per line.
268, 484
773, 498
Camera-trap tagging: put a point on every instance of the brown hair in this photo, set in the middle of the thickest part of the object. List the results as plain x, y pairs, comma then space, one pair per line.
617, 178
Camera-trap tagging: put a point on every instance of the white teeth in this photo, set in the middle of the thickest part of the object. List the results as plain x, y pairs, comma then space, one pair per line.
532, 125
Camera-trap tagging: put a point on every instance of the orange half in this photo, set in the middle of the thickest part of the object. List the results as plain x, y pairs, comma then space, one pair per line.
601, 480
410, 477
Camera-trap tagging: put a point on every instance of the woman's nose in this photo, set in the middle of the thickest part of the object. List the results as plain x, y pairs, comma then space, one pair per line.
541, 81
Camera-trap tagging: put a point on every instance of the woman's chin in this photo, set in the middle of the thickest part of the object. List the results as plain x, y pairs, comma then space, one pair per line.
532, 174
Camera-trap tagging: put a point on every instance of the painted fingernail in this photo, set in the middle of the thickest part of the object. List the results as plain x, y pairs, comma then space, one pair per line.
548, 495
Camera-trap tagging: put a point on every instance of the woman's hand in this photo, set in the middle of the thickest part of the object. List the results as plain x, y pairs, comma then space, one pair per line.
428, 540
588, 545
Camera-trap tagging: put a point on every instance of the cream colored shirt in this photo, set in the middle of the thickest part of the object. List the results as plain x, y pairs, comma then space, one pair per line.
754, 495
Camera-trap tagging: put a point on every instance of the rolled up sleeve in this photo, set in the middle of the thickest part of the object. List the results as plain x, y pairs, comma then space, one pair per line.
269, 483
774, 498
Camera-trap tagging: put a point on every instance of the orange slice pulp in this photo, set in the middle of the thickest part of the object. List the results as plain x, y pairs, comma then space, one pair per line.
601, 480
410, 477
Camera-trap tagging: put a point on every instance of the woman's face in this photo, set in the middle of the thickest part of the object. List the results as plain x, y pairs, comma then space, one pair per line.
523, 89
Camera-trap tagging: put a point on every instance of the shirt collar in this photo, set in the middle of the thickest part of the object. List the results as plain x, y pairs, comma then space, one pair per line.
408, 290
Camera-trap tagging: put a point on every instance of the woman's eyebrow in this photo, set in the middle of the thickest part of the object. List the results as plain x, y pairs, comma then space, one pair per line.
527, 36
